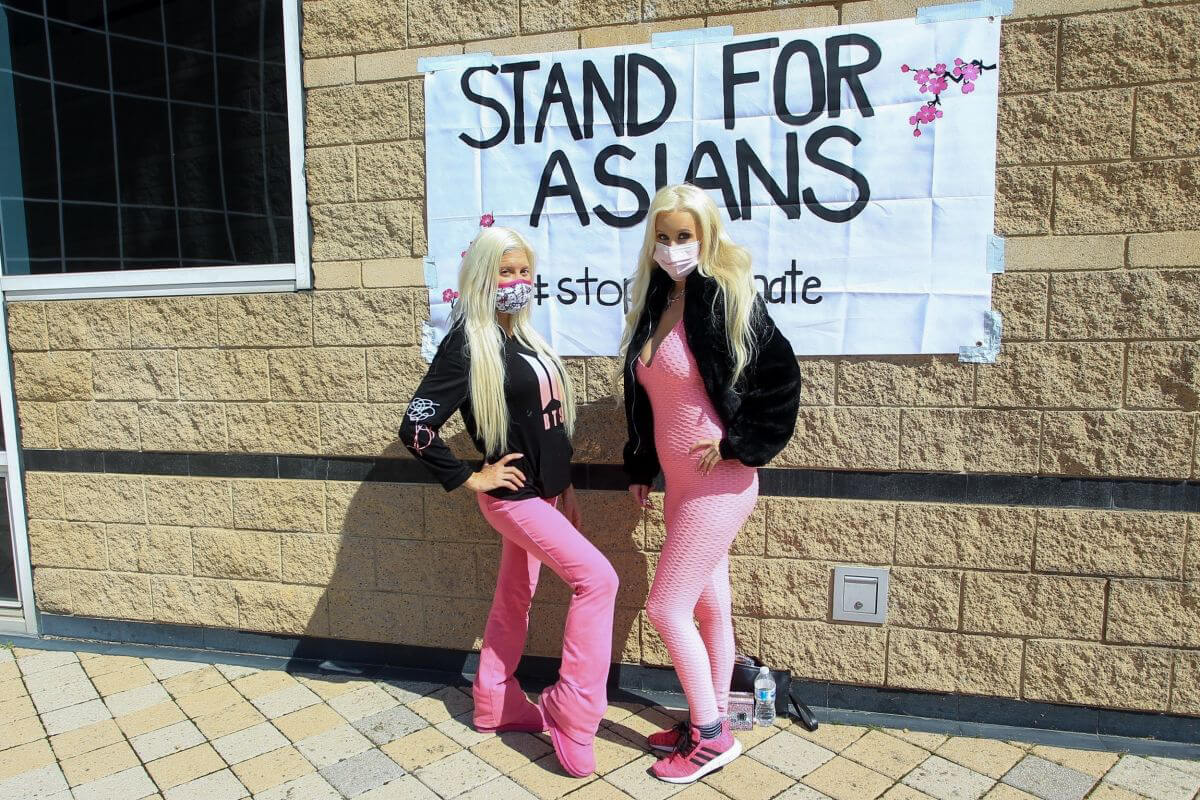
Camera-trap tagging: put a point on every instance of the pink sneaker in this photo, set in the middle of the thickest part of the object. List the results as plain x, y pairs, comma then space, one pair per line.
695, 757
666, 741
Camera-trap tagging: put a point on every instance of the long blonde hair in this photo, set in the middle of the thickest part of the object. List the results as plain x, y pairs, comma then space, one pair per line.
475, 310
720, 259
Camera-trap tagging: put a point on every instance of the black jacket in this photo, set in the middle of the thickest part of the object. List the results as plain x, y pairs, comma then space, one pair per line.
533, 394
759, 414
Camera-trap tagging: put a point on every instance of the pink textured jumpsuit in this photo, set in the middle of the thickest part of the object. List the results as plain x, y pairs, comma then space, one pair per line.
703, 514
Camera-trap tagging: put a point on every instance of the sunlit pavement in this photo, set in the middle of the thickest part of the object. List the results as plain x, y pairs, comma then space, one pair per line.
94, 726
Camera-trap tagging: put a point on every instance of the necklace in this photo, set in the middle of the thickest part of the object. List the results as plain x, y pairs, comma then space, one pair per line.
671, 300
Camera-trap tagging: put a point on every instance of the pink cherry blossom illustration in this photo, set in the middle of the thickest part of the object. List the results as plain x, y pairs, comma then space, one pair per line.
449, 296
487, 221
935, 80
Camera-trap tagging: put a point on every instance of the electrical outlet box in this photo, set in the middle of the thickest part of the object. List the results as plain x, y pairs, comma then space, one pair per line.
860, 594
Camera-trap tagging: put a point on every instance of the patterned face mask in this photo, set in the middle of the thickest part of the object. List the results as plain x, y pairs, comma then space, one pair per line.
511, 297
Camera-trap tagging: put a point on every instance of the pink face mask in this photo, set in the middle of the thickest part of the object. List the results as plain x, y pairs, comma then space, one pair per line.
677, 260
512, 296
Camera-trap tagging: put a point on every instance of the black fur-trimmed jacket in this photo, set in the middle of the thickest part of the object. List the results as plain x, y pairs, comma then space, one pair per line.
759, 414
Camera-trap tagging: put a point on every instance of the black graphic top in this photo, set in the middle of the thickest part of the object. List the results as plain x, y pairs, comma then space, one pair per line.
535, 429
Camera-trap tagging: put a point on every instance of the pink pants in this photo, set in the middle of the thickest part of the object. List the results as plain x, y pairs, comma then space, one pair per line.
536, 533
692, 580
703, 514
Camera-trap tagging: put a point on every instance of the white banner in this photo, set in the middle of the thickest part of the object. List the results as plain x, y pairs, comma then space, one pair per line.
857, 164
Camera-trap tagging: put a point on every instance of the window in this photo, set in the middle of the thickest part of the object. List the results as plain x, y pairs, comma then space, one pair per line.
8, 566
150, 147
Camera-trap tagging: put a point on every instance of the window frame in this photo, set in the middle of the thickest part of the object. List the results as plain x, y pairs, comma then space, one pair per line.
19, 617
284, 277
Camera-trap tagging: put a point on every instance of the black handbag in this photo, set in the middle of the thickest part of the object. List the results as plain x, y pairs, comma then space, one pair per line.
745, 670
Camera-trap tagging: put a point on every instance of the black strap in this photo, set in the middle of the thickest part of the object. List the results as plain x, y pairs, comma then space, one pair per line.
803, 713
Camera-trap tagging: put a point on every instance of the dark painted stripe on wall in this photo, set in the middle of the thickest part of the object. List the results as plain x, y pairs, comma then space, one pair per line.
928, 487
376, 660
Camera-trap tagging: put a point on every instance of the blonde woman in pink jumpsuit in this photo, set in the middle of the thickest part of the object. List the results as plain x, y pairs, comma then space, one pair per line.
711, 393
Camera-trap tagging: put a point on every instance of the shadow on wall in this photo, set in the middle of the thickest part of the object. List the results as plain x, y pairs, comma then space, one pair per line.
413, 564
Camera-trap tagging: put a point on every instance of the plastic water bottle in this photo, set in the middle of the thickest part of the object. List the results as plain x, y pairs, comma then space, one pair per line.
764, 697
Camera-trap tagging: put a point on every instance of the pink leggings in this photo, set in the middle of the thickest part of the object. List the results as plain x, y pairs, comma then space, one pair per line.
703, 514
692, 579
536, 533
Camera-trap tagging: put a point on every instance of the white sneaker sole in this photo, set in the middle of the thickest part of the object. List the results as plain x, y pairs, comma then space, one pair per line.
712, 766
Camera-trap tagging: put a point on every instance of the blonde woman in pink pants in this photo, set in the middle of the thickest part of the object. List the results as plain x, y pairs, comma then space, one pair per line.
517, 404
711, 392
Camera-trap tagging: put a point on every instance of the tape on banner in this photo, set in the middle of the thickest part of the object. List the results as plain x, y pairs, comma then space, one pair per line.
429, 345
986, 351
429, 338
439, 63
995, 254
720, 33
979, 8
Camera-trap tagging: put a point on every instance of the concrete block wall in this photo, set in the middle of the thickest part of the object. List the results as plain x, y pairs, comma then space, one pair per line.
1097, 176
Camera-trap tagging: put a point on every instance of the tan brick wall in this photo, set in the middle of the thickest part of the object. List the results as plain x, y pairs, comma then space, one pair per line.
1098, 170
1014, 602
